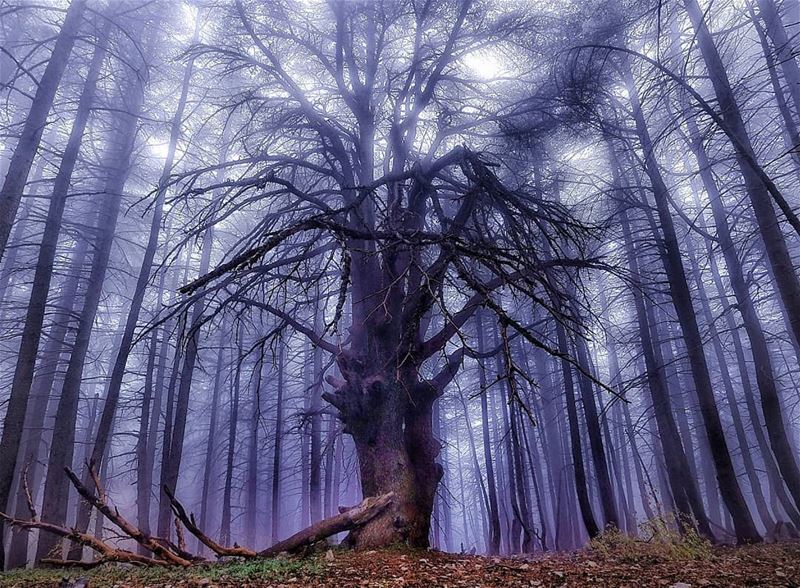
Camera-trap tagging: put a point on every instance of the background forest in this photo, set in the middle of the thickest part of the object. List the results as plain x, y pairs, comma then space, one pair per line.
529, 269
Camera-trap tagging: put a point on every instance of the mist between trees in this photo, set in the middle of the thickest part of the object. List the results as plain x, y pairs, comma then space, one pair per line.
517, 271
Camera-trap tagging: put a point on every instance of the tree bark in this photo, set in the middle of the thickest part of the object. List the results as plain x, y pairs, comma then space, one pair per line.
233, 421
31, 135
486, 507
103, 436
35, 441
21, 226
278, 448
598, 450
494, 513
581, 486
792, 133
34, 318
765, 374
56, 490
252, 481
413, 450
784, 48
315, 446
144, 472
389, 416
681, 297
730, 396
211, 440
175, 424
684, 488
783, 270
615, 380
350, 518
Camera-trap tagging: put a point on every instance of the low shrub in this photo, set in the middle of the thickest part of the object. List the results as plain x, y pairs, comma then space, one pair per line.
659, 539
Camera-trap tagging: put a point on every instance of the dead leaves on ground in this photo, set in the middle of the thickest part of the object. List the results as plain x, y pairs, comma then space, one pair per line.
761, 565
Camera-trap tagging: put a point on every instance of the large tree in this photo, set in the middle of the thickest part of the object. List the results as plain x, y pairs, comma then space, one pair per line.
370, 167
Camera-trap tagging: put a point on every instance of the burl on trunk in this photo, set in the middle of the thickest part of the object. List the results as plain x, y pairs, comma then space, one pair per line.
389, 415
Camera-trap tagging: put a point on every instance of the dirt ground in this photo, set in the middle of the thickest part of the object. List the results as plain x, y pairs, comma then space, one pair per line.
761, 565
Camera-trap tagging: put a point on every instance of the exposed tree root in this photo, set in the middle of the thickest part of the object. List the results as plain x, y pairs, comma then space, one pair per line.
165, 552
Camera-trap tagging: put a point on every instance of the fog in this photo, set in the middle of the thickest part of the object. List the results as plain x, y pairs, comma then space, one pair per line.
517, 273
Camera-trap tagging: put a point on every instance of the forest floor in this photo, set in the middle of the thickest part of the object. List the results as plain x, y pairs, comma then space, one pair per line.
761, 565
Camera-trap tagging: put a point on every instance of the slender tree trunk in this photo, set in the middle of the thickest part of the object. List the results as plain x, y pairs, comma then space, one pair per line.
251, 483
305, 438
144, 472
516, 524
622, 504
773, 474
792, 134
632, 524
598, 451
730, 396
684, 488
442, 436
494, 512
784, 48
103, 475
277, 455
175, 425
337, 470
615, 378
118, 371
436, 532
315, 448
34, 318
581, 485
522, 506
682, 301
93, 399
56, 489
177, 413
28, 143
164, 519
536, 476
465, 538
338, 466
646, 489
10, 261
765, 375
233, 421
510, 527
550, 437
35, 442
783, 270
146, 468
485, 503
211, 441
330, 465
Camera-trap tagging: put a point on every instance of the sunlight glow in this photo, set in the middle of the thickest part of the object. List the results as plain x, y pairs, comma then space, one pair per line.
157, 148
486, 64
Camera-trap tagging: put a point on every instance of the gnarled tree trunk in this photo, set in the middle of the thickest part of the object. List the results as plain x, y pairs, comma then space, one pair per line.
390, 419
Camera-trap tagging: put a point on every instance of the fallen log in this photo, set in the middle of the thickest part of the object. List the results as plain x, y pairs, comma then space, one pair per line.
348, 518
351, 518
172, 554
191, 525
106, 552
166, 553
